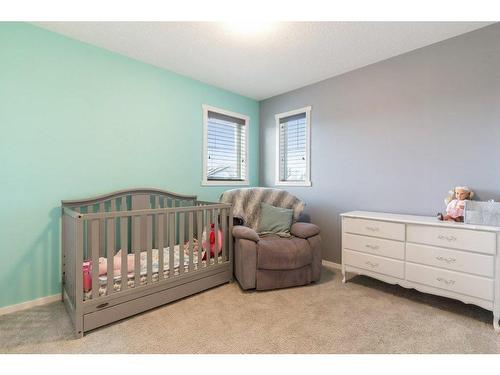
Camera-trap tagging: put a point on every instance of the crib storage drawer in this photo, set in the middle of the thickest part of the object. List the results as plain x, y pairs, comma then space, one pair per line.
456, 260
386, 266
135, 306
475, 286
376, 246
382, 229
478, 241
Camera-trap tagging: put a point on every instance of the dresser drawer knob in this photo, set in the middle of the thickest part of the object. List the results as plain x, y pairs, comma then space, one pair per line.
373, 229
373, 247
372, 265
447, 260
447, 282
447, 238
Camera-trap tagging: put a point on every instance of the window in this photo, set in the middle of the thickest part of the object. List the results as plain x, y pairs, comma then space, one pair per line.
293, 155
225, 156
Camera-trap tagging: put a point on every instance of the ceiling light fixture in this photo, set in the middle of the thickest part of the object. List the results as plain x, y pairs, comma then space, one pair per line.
247, 27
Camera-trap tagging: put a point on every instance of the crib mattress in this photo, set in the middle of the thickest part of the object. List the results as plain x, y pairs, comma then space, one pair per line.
117, 279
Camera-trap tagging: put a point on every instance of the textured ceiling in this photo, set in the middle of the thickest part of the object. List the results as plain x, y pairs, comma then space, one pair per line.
283, 57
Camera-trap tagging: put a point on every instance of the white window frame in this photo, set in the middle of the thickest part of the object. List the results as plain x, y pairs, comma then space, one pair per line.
278, 117
206, 182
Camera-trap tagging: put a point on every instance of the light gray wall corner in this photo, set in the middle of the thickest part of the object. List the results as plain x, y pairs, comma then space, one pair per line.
395, 136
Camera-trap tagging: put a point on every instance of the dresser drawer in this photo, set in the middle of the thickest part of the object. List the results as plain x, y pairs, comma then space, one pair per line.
455, 260
386, 266
372, 245
475, 286
383, 229
482, 242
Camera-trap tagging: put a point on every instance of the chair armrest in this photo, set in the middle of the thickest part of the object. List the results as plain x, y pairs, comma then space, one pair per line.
240, 231
304, 230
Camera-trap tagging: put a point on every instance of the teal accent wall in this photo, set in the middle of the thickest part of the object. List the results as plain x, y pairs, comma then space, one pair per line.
77, 121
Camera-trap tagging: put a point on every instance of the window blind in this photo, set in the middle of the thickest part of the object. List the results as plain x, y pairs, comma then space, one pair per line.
292, 148
226, 147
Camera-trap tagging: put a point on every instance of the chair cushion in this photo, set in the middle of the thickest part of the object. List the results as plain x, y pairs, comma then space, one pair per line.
274, 219
277, 253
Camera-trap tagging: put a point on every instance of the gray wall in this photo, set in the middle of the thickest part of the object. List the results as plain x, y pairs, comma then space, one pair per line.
397, 135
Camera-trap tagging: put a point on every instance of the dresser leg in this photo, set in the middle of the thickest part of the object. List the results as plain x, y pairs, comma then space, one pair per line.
496, 325
343, 274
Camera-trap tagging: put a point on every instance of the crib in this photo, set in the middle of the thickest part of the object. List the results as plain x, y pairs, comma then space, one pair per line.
133, 250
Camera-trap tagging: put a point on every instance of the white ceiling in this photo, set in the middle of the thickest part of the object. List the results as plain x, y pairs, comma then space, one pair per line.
285, 56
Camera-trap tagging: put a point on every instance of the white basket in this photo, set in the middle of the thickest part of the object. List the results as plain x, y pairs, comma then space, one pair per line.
482, 213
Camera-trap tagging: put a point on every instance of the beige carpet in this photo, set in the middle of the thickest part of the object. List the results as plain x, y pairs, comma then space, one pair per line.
362, 316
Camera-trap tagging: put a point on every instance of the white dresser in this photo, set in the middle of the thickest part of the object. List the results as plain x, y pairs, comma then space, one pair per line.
454, 260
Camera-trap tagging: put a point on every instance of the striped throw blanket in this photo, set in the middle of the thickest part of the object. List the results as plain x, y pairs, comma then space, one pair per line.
246, 203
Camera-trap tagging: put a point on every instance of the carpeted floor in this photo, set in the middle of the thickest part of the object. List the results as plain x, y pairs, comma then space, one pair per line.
362, 316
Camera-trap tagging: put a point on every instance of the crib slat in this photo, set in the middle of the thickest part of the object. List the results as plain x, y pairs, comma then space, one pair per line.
102, 235
102, 232
230, 239
124, 246
166, 228
88, 247
112, 207
159, 244
223, 219
199, 228
181, 241
94, 246
175, 203
123, 203
190, 231
110, 226
215, 218
207, 237
148, 222
171, 246
136, 240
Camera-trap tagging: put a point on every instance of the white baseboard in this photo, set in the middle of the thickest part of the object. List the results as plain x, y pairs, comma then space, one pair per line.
331, 264
29, 304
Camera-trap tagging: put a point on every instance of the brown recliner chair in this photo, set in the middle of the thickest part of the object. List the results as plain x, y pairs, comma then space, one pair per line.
271, 261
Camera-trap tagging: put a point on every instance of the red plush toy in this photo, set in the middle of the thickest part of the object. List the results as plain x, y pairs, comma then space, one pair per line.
212, 243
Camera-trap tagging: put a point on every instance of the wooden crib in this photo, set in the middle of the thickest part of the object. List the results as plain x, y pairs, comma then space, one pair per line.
168, 239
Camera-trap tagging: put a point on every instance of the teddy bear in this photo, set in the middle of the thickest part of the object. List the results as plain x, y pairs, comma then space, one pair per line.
455, 204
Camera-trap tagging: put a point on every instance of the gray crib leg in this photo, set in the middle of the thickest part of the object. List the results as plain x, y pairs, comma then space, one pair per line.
78, 327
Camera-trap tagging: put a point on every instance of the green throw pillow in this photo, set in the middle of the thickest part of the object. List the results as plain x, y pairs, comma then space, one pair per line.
274, 219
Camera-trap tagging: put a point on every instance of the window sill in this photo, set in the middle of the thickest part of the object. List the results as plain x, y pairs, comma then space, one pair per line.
224, 183
293, 183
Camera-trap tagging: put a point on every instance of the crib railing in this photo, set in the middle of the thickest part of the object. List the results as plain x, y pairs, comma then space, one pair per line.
101, 229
